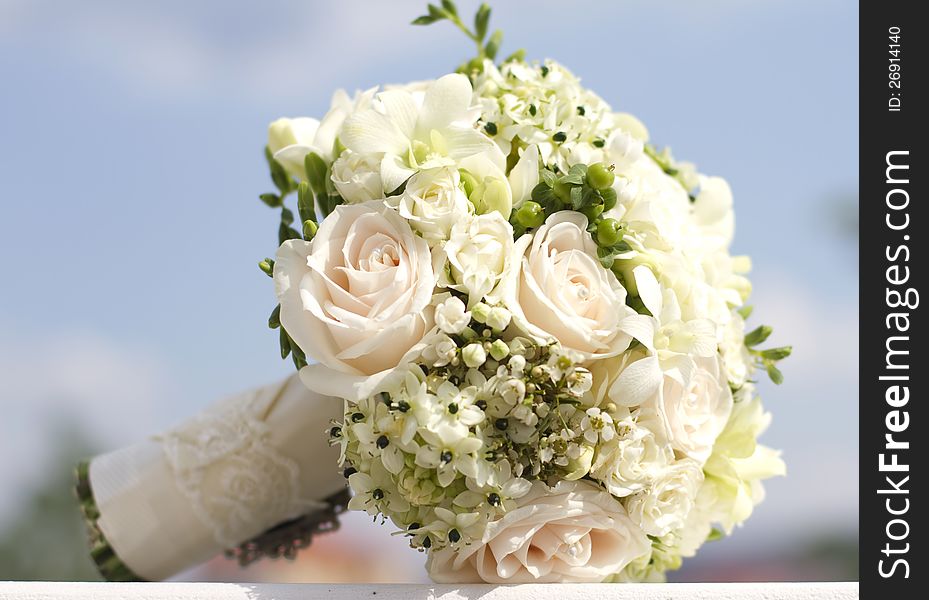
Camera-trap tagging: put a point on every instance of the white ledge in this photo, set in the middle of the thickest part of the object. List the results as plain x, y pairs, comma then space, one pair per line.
261, 591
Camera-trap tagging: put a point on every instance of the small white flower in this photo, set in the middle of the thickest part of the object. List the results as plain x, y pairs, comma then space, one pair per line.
439, 350
597, 425
451, 316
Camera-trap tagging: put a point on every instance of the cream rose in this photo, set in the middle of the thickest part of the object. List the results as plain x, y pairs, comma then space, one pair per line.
357, 298
557, 289
573, 532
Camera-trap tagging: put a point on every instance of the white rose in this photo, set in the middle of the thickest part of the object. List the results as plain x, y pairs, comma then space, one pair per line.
694, 409
357, 298
478, 253
666, 503
630, 461
357, 177
433, 202
557, 288
573, 532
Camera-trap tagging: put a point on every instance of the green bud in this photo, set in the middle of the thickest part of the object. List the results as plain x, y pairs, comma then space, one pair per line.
530, 214
468, 182
267, 265
774, 373
480, 312
757, 335
609, 198
309, 230
592, 212
600, 176
499, 350
609, 232
497, 197
498, 318
777, 353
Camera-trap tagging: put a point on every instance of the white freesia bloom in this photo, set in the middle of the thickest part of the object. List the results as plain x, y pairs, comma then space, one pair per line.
433, 202
434, 132
573, 532
525, 175
557, 289
664, 505
357, 177
357, 298
476, 256
290, 140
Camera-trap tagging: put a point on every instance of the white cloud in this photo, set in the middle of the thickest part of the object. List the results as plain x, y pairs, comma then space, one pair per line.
96, 387
822, 330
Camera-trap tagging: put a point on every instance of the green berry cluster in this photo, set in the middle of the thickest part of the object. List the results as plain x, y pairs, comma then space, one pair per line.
587, 189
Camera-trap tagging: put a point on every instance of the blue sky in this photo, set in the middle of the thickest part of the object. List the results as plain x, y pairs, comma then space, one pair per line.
131, 139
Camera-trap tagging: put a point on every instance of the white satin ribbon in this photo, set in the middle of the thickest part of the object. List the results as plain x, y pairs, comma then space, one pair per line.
242, 466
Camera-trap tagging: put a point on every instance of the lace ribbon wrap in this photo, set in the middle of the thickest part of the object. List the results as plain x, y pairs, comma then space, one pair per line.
238, 469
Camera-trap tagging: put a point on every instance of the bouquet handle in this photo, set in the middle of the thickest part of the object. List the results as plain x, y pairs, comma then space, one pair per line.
251, 476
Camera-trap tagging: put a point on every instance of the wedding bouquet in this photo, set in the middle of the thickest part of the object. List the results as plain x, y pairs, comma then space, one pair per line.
526, 341
532, 316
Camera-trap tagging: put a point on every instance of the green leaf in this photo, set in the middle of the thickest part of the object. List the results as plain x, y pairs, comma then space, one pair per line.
285, 232
450, 7
425, 20
757, 335
774, 373
297, 355
746, 311
777, 353
621, 247
272, 200
548, 177
315, 168
518, 56
577, 198
274, 321
305, 207
287, 216
481, 20
493, 45
578, 169
279, 176
715, 534
285, 343
573, 178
